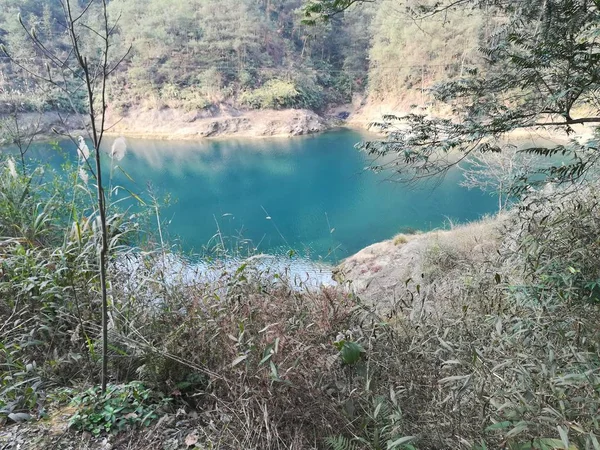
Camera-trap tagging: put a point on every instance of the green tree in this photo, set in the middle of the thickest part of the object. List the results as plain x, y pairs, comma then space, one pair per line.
195, 52
19, 90
541, 70
83, 68
408, 55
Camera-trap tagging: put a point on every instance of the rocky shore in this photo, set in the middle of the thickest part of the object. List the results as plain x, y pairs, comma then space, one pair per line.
178, 124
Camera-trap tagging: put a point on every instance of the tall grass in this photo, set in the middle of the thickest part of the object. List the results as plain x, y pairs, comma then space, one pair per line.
506, 355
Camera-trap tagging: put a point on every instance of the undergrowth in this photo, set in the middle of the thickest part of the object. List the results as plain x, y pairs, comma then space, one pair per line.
507, 357
120, 408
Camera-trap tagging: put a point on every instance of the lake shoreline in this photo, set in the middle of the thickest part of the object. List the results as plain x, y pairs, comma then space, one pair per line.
173, 125
309, 194
378, 273
168, 124
182, 125
221, 122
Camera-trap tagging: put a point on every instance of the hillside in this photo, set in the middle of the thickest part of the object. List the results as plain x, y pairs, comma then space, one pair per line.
198, 54
209, 55
481, 336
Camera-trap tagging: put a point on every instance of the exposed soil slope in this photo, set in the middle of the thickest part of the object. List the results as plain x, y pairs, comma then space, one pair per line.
180, 124
384, 273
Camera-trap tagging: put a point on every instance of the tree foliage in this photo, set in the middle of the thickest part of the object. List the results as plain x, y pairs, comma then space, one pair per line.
408, 55
537, 67
199, 52
541, 71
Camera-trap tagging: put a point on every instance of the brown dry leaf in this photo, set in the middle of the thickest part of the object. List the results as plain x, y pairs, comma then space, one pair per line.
191, 439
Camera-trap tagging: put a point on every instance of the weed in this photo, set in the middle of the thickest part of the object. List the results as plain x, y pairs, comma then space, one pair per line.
400, 239
119, 408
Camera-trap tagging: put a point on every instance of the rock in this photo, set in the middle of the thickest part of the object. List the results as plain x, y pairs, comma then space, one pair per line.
221, 121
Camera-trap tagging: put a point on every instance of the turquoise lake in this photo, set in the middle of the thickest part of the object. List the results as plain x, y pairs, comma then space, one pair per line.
307, 194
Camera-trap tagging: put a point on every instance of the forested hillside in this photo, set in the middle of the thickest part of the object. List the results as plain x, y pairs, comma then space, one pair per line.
259, 54
483, 336
196, 53
408, 55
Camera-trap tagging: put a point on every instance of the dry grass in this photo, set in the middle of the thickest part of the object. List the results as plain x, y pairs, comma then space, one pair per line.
461, 258
250, 358
400, 239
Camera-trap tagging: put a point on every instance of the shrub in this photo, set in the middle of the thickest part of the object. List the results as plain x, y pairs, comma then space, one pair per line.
275, 94
20, 386
312, 94
400, 239
212, 85
48, 283
119, 408
302, 92
189, 98
557, 237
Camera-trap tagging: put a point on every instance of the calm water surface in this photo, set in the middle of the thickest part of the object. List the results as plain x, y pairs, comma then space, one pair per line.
309, 194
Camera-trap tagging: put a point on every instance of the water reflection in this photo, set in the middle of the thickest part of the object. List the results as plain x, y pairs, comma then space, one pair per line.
309, 194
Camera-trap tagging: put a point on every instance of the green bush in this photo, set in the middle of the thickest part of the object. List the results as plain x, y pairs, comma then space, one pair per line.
119, 408
275, 94
49, 302
189, 98
212, 84
302, 92
312, 93
19, 386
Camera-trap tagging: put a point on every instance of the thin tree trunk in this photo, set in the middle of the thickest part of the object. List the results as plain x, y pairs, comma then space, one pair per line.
422, 83
97, 133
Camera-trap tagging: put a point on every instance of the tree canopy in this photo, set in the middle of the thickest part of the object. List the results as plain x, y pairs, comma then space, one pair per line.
539, 69
198, 53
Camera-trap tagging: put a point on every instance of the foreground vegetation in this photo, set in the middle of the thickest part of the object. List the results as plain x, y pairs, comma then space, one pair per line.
505, 354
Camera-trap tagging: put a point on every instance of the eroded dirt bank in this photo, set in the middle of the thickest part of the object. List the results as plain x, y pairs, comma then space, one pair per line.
180, 124
386, 274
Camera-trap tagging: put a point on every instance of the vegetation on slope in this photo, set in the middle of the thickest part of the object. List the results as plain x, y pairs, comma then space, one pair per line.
195, 54
494, 348
250, 54
505, 353
407, 56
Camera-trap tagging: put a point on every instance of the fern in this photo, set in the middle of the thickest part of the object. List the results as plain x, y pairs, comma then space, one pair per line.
340, 443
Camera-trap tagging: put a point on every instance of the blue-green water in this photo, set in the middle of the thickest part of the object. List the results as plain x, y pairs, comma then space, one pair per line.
310, 194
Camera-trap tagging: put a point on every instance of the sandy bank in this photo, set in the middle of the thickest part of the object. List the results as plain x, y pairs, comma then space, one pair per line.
363, 115
179, 124
225, 121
